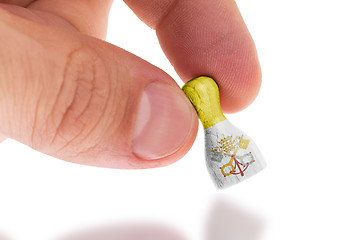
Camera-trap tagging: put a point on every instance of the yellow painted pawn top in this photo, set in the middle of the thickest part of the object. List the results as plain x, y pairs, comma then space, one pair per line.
203, 92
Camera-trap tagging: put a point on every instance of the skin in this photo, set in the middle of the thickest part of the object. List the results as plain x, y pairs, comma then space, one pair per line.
53, 52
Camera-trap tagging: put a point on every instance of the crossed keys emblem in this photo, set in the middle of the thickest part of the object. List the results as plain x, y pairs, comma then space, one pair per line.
228, 147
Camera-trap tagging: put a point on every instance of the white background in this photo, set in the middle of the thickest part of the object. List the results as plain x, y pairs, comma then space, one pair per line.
295, 121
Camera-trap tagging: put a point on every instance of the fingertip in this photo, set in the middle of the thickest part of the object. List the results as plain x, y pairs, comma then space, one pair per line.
211, 38
164, 122
183, 150
240, 85
238, 76
139, 163
110, 158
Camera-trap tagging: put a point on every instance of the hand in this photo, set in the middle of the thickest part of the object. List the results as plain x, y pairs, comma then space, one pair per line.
66, 93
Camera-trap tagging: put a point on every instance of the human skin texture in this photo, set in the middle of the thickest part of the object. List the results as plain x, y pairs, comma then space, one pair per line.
66, 92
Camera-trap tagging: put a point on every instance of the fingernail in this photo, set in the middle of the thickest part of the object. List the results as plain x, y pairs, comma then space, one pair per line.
164, 122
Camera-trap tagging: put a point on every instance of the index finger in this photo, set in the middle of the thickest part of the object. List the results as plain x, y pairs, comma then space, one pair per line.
206, 38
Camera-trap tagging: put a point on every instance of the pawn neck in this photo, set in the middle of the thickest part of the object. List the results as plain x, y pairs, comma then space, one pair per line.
203, 92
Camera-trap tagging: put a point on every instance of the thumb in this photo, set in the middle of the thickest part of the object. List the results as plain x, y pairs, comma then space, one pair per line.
80, 99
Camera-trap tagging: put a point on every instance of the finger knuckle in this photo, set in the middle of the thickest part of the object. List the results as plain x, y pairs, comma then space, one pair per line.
81, 100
